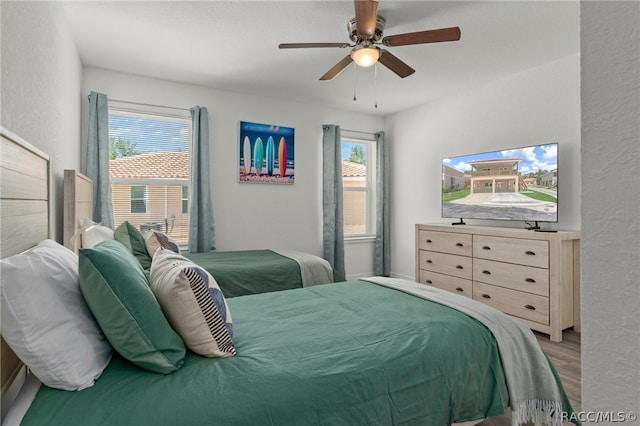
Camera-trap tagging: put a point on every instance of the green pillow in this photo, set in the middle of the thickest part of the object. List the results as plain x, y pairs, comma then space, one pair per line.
128, 235
118, 294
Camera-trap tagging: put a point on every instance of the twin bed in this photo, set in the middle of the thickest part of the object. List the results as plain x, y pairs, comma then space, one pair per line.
238, 273
375, 352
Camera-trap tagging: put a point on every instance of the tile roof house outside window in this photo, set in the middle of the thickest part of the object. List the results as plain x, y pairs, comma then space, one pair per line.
149, 167
166, 174
163, 176
354, 175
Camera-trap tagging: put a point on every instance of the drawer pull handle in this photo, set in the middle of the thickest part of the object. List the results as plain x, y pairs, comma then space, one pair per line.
530, 280
486, 248
459, 267
486, 272
530, 307
530, 253
429, 261
429, 282
486, 296
428, 241
459, 245
460, 289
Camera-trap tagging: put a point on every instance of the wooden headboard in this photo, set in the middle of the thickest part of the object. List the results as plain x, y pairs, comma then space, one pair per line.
78, 205
25, 181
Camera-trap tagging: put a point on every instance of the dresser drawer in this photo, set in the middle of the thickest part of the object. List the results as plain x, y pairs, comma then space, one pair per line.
523, 305
445, 242
449, 264
447, 282
512, 250
517, 277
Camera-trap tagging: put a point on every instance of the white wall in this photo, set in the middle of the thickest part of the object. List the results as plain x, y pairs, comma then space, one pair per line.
610, 246
40, 96
251, 216
538, 105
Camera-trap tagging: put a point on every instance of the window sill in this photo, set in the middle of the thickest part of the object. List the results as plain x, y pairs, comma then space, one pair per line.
359, 239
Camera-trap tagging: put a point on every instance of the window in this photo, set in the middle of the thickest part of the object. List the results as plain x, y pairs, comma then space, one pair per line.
185, 199
149, 169
138, 199
358, 183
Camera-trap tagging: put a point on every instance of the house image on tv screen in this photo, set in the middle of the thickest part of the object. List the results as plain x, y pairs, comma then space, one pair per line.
513, 184
452, 179
496, 175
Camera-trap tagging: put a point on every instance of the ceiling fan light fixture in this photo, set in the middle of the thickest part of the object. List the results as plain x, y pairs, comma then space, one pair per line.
365, 56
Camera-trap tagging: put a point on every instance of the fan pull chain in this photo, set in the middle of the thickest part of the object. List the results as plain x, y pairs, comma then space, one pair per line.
355, 78
375, 84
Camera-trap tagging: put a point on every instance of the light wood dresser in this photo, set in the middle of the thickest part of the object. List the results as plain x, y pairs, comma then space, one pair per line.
533, 276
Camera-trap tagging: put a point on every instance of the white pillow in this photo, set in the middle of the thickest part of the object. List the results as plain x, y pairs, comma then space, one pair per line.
94, 233
193, 304
46, 321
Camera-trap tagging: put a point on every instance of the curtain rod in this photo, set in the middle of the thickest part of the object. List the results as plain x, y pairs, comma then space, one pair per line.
357, 131
148, 105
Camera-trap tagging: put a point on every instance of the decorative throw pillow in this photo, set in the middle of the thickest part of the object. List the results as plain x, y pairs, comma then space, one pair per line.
156, 239
46, 321
93, 233
117, 292
193, 303
128, 235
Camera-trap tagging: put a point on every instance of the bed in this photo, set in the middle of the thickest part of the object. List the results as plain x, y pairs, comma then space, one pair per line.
238, 273
24, 221
375, 352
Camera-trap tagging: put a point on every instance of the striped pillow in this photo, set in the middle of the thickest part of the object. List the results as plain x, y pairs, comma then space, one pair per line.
153, 240
193, 304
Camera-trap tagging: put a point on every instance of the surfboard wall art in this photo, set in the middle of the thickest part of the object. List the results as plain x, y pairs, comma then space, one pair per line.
271, 155
282, 156
245, 159
258, 156
263, 160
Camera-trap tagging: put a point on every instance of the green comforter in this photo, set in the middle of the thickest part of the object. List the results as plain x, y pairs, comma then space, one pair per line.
351, 353
239, 273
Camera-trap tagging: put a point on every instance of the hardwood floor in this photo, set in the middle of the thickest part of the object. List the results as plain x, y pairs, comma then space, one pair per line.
565, 356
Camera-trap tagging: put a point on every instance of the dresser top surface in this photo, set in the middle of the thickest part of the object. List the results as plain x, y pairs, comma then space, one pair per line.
499, 231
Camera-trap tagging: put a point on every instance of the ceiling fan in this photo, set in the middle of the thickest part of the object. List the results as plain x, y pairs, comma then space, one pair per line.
365, 31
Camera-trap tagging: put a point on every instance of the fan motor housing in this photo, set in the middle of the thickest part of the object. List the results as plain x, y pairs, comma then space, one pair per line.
356, 38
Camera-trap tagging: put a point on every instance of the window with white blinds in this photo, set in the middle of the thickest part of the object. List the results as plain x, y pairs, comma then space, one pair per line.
358, 187
149, 171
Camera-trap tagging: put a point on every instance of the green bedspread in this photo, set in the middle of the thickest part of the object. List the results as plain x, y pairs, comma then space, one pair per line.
351, 353
239, 273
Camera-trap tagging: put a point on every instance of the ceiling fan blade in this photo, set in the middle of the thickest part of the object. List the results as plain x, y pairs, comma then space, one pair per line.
366, 15
303, 45
394, 64
420, 37
337, 68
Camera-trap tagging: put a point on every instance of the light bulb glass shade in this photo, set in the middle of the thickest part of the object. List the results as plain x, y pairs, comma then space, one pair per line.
365, 56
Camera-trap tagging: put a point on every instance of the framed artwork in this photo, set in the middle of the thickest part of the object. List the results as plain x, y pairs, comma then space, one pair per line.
266, 153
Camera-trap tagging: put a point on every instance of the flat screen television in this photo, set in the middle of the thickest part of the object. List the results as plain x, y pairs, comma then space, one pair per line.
518, 184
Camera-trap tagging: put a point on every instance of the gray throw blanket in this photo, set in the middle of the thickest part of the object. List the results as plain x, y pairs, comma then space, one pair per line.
534, 393
314, 270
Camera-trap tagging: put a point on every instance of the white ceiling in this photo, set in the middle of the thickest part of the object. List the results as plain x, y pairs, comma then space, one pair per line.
233, 45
